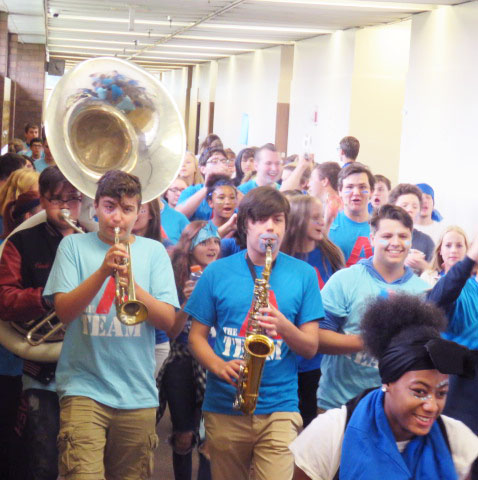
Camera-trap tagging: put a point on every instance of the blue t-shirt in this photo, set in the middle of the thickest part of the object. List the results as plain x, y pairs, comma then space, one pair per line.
251, 184
324, 271
41, 164
10, 364
204, 211
463, 325
101, 358
345, 297
229, 246
353, 238
222, 299
173, 223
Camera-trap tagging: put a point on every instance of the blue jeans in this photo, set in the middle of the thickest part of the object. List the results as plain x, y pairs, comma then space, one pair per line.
178, 386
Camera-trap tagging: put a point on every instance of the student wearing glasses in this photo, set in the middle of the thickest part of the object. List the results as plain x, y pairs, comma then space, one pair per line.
193, 202
24, 268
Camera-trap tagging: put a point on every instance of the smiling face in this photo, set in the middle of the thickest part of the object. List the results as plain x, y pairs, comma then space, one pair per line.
355, 194
414, 401
268, 167
223, 201
113, 212
453, 249
206, 252
391, 243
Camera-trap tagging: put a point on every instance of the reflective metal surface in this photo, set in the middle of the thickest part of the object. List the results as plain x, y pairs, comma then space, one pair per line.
107, 114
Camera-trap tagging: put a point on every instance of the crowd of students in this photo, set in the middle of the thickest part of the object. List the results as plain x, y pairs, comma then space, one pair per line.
372, 310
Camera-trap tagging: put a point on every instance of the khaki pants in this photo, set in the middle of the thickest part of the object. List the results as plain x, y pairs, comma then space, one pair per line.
238, 441
97, 442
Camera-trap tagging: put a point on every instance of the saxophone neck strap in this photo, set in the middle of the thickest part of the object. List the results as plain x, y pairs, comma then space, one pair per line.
253, 270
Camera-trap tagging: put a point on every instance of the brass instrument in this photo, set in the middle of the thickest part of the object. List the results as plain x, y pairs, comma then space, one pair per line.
128, 310
257, 345
104, 114
65, 214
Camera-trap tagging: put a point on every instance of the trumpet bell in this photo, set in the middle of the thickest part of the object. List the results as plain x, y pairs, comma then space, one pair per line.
109, 114
132, 312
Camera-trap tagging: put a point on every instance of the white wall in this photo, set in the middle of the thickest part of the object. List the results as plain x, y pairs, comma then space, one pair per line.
176, 82
247, 83
440, 120
378, 91
321, 82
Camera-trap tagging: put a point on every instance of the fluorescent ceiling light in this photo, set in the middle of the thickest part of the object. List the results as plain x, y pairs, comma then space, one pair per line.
263, 28
407, 7
138, 21
140, 44
105, 32
189, 37
182, 61
131, 50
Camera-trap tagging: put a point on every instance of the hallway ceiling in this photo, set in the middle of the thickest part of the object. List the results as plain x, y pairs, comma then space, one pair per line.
165, 34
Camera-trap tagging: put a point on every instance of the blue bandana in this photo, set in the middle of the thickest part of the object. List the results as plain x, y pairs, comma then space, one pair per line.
370, 451
208, 231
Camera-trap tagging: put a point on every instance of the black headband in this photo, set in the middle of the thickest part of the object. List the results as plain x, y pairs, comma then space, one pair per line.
436, 354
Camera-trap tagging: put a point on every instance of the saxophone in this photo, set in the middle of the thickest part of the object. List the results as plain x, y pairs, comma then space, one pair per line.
257, 345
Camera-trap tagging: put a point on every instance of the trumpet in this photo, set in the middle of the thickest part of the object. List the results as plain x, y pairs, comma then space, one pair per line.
129, 310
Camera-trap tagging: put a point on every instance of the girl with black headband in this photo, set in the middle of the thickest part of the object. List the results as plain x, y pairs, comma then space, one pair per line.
396, 431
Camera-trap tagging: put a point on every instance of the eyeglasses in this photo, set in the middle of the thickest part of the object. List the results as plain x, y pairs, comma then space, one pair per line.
224, 161
70, 201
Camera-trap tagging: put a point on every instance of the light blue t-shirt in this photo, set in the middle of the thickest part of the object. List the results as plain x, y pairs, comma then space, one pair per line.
41, 164
173, 223
101, 358
353, 238
204, 211
251, 184
345, 297
222, 299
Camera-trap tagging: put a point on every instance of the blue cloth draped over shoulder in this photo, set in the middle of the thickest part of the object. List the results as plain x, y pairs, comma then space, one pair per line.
370, 451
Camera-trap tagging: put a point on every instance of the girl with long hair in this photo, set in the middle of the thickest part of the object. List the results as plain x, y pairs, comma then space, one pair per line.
451, 258
190, 170
305, 238
244, 164
182, 380
148, 224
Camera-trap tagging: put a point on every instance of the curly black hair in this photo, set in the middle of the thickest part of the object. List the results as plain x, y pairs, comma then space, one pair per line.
399, 317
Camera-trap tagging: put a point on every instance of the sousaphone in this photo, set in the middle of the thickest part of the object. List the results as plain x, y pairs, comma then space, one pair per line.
108, 114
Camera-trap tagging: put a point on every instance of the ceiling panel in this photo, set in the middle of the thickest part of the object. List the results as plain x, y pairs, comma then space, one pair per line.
177, 32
